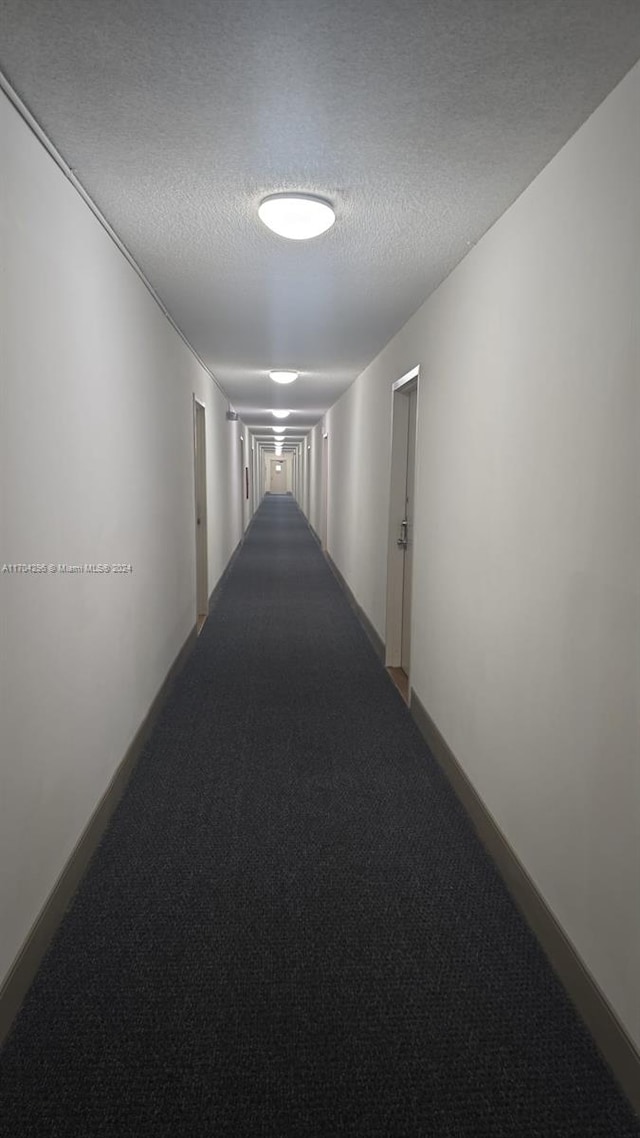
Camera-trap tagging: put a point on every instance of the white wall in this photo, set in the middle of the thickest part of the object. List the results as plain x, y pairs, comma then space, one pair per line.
96, 465
526, 636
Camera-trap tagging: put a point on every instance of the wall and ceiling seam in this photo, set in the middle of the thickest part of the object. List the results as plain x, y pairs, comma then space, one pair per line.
45, 141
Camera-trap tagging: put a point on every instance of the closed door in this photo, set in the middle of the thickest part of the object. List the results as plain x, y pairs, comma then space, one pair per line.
278, 477
324, 501
407, 572
200, 464
401, 528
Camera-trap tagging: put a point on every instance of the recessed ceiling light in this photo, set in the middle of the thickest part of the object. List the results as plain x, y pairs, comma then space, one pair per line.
283, 376
297, 216
278, 438
281, 414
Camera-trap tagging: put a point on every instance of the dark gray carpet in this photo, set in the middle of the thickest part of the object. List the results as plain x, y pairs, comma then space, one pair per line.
290, 928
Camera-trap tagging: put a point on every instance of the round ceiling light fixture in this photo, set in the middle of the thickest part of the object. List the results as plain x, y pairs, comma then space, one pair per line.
278, 429
283, 376
296, 216
281, 414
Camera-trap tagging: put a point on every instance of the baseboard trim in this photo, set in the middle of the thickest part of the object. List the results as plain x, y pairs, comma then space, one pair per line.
23, 971
217, 588
24, 968
609, 1035
376, 640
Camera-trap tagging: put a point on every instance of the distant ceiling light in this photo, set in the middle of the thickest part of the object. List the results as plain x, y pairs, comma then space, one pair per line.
278, 438
283, 376
297, 216
281, 414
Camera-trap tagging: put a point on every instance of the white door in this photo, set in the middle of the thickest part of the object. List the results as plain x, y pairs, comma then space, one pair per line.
401, 528
278, 477
324, 501
200, 467
407, 524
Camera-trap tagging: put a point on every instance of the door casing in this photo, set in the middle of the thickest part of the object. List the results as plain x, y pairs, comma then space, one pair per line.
200, 479
397, 581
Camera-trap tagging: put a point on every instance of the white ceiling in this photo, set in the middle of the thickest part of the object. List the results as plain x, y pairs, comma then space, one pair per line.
421, 120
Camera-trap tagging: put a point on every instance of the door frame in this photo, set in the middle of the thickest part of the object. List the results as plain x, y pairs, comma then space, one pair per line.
278, 461
399, 414
324, 492
200, 510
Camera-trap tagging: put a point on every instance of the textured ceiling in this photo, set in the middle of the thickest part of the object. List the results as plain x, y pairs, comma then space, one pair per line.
421, 120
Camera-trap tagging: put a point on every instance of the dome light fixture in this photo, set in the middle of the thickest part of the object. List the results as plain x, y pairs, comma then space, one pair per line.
296, 216
283, 376
278, 429
281, 414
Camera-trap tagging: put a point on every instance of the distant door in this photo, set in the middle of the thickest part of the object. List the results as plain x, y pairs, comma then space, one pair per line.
278, 477
200, 468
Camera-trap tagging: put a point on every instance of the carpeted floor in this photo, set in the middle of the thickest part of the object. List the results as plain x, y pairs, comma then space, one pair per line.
290, 928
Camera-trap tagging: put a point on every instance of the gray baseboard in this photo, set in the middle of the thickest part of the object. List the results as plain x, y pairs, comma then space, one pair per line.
218, 587
26, 964
609, 1035
376, 640
615, 1045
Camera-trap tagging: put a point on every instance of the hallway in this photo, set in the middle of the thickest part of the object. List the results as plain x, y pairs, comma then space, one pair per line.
290, 928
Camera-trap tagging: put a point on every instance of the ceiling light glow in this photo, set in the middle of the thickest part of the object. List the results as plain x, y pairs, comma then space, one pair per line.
296, 216
283, 376
281, 414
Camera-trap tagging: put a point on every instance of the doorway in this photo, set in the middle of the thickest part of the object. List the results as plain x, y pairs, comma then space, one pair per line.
278, 476
244, 481
401, 530
200, 469
324, 500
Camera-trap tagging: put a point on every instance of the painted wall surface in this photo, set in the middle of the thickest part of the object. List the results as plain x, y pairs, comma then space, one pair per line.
96, 467
526, 634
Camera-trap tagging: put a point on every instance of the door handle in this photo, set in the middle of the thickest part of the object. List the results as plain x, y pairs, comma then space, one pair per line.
403, 540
